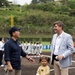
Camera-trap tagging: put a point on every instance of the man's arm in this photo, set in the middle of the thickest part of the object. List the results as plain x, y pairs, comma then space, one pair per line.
70, 49
7, 56
23, 54
7, 52
9, 66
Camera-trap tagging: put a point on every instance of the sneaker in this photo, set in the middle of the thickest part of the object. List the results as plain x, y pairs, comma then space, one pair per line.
2, 65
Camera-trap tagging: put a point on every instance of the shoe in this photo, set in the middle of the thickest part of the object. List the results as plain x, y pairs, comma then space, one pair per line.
2, 65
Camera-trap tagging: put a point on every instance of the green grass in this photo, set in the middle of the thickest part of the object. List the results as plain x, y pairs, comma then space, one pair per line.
45, 43
46, 50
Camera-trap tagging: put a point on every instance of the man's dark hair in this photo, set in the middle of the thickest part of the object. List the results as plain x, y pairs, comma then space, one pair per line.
59, 23
0, 38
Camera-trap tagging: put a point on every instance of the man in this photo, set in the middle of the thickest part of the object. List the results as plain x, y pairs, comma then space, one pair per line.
34, 48
62, 49
13, 51
28, 48
1, 51
41, 47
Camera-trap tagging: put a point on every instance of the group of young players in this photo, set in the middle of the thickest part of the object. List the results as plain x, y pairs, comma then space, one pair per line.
32, 47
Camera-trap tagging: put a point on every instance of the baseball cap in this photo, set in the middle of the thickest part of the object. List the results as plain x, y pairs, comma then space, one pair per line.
13, 29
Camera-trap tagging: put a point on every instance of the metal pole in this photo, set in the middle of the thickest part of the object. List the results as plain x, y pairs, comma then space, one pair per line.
12, 20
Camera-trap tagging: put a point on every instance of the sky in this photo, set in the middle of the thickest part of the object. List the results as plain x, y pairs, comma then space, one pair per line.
21, 2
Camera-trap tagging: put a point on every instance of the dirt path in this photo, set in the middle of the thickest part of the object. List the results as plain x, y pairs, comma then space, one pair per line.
30, 68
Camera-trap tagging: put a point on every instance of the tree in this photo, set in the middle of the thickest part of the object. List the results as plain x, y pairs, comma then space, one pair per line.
3, 3
44, 1
34, 1
65, 1
41, 1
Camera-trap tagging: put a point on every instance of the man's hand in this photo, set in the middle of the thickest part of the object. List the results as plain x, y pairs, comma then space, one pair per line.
37, 74
9, 67
59, 57
30, 59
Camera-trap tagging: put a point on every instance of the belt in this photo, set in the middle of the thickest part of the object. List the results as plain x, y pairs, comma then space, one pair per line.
1, 51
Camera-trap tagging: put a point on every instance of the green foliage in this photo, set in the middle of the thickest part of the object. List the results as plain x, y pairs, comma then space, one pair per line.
38, 19
40, 1
34, 1
71, 4
3, 3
